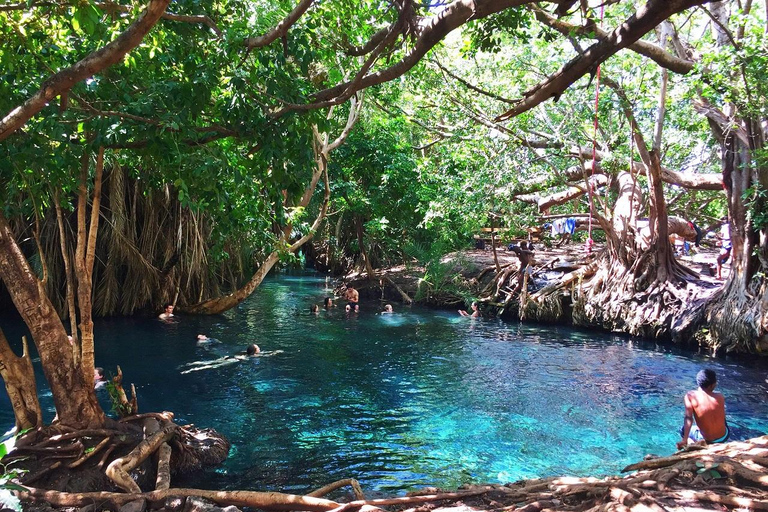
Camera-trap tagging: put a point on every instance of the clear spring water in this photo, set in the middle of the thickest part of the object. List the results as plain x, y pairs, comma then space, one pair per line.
421, 397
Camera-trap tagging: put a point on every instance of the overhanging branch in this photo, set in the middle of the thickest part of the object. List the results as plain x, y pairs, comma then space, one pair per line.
627, 33
652, 51
65, 79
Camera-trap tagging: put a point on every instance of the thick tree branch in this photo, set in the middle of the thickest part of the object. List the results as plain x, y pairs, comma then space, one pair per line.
280, 29
373, 42
430, 32
650, 50
101, 59
546, 202
182, 18
639, 24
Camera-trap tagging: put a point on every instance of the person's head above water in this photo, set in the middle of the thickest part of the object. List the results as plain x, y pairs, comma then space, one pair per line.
388, 308
314, 308
252, 349
202, 337
706, 379
328, 302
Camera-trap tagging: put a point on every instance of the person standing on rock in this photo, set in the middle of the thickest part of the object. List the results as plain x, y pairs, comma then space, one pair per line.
725, 250
707, 408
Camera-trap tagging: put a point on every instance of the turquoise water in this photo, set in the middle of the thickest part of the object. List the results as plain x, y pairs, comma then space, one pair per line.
421, 397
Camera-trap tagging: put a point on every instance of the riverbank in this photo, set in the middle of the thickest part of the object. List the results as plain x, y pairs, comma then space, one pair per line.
730, 476
549, 293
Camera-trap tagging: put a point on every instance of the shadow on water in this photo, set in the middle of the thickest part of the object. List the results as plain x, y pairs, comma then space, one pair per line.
415, 398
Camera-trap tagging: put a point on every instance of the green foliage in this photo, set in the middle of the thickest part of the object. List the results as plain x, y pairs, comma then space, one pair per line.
117, 405
488, 34
191, 114
9, 476
756, 201
442, 279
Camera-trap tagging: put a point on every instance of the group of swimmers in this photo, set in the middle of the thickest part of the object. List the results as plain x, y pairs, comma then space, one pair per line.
704, 420
352, 297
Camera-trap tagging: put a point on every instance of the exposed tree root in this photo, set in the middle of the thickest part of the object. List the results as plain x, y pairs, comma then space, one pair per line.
118, 469
717, 477
262, 500
163, 480
121, 450
91, 453
337, 485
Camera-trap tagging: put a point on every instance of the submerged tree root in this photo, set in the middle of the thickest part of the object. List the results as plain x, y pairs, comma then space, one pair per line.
731, 476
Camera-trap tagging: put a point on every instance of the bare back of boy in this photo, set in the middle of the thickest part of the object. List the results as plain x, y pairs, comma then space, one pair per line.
708, 410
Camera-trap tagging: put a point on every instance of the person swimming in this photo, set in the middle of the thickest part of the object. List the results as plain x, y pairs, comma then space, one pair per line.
387, 309
252, 350
203, 340
99, 379
167, 314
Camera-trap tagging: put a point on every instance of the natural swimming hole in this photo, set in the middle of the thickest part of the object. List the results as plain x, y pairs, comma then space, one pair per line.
418, 398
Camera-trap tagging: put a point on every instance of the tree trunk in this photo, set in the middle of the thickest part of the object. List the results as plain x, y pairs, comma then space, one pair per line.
637, 290
75, 399
84, 258
19, 378
70, 282
361, 244
738, 316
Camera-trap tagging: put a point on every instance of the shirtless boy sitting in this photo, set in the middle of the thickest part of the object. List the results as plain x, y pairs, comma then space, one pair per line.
708, 409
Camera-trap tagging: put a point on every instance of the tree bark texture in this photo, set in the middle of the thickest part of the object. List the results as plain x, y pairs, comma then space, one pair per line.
19, 378
738, 317
85, 254
75, 400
